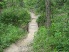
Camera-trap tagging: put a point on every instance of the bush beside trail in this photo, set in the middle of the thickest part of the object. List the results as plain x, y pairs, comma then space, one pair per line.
14, 16
13, 26
56, 38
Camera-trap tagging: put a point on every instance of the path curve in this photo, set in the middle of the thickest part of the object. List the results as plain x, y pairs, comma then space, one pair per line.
24, 44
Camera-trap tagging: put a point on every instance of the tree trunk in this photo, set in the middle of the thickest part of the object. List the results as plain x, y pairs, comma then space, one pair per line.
48, 13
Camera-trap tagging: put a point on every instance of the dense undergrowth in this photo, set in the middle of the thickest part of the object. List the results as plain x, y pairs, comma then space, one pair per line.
10, 34
14, 19
54, 39
14, 16
13, 25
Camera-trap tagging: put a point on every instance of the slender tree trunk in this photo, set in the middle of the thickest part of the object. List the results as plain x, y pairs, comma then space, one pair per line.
48, 13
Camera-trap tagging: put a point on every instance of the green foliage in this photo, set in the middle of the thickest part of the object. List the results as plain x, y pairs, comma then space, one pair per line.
29, 4
13, 22
39, 41
40, 7
9, 34
15, 16
12, 25
41, 20
1, 4
45, 43
54, 39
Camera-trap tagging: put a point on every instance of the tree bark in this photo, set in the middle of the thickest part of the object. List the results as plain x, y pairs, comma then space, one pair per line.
48, 13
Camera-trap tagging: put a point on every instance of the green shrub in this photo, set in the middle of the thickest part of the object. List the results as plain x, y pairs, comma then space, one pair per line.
46, 43
9, 34
11, 20
39, 40
2, 28
58, 38
15, 16
41, 20
1, 5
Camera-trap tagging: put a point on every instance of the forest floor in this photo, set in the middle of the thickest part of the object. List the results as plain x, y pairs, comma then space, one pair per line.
24, 45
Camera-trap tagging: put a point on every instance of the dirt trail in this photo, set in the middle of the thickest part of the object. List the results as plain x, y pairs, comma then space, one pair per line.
24, 45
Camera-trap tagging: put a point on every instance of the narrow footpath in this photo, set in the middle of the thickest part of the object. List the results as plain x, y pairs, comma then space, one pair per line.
24, 45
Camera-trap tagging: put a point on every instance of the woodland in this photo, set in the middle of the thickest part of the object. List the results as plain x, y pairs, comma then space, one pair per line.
53, 23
